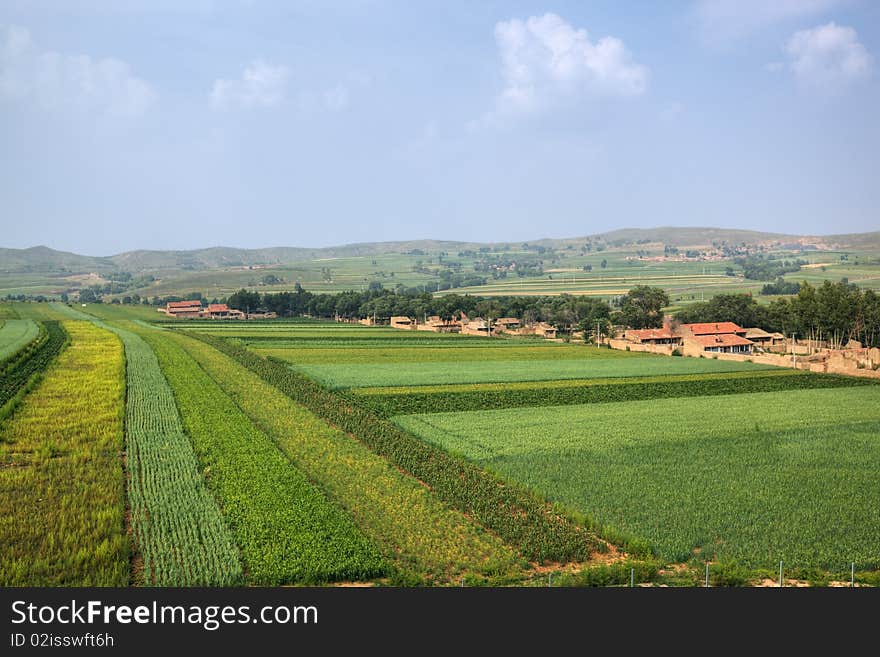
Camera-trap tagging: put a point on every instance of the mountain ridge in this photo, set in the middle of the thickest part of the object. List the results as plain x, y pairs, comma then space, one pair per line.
43, 258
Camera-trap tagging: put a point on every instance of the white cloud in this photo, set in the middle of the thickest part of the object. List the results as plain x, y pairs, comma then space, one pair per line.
828, 56
728, 20
545, 61
56, 80
260, 85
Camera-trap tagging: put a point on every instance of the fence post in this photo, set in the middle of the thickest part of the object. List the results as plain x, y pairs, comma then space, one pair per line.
707, 574
632, 577
852, 574
780, 574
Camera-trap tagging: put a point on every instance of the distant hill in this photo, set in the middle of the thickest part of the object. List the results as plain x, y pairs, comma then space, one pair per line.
44, 259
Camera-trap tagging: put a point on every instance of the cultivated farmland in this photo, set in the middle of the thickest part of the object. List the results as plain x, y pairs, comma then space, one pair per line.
287, 530
422, 536
178, 529
15, 334
752, 478
60, 468
675, 456
292, 452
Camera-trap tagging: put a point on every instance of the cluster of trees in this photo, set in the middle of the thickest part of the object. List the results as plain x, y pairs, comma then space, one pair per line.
760, 268
781, 286
836, 312
641, 307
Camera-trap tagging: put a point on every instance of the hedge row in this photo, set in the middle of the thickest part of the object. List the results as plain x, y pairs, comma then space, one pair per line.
478, 400
532, 525
18, 374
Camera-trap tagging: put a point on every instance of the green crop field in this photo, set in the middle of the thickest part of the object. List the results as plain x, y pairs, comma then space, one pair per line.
750, 478
287, 530
62, 501
433, 399
445, 354
468, 371
422, 536
16, 334
178, 529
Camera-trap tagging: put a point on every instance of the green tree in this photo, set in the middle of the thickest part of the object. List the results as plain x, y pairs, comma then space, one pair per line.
642, 307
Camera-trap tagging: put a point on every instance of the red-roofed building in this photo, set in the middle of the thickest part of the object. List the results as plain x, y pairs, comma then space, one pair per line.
719, 337
713, 328
653, 336
727, 343
182, 308
222, 311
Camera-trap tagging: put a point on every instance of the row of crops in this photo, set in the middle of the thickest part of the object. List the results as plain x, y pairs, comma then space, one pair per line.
21, 371
62, 501
731, 461
507, 509
424, 539
305, 453
177, 528
479, 397
287, 530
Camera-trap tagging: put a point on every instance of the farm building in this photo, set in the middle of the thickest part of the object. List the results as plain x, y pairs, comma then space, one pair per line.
222, 311
506, 324
403, 322
182, 309
762, 338
543, 329
718, 337
653, 336
476, 326
438, 325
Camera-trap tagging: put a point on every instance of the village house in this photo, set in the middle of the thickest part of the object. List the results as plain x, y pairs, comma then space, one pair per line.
438, 325
542, 329
182, 309
222, 311
506, 324
403, 322
763, 339
653, 336
718, 337
476, 326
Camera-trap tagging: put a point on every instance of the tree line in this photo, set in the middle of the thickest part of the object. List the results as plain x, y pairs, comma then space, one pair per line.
836, 312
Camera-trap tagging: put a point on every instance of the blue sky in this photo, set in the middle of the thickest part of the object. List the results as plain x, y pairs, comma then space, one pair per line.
177, 125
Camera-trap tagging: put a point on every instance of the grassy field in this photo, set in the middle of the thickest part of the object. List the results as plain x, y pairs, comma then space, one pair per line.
750, 478
62, 502
15, 334
434, 399
424, 538
445, 354
286, 529
468, 371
